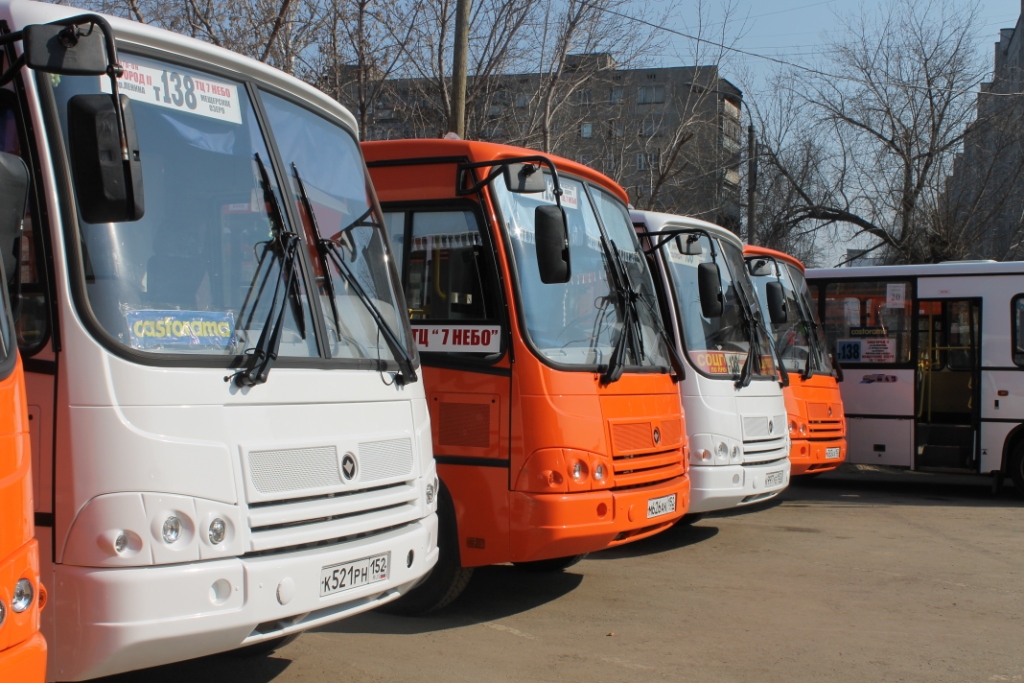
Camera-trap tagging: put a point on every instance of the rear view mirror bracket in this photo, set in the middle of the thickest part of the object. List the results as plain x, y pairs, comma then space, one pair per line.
514, 170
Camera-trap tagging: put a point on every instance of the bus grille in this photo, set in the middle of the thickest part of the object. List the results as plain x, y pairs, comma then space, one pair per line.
287, 524
825, 421
642, 470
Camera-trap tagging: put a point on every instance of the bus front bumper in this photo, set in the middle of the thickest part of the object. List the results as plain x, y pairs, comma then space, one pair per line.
545, 526
115, 620
810, 457
24, 662
720, 487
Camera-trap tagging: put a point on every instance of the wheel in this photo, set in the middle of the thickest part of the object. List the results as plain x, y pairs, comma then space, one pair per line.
687, 520
1017, 471
447, 579
555, 564
265, 648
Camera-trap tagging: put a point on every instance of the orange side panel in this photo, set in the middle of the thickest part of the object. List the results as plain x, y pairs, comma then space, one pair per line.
480, 495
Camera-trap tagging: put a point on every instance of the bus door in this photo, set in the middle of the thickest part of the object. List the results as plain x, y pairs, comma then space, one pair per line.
449, 275
948, 383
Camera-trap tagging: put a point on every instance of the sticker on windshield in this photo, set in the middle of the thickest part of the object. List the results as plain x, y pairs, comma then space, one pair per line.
457, 338
570, 200
186, 330
179, 91
720, 362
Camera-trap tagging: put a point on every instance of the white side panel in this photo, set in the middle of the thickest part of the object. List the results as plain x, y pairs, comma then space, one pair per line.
996, 407
993, 438
877, 392
866, 438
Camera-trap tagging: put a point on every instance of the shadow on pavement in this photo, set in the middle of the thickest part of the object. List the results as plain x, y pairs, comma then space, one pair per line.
673, 538
222, 668
859, 484
495, 592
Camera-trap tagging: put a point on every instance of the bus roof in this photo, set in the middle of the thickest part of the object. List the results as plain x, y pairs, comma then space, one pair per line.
656, 222
753, 250
921, 270
451, 151
25, 12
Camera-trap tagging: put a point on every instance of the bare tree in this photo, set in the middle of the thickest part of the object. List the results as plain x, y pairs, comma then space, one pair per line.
886, 110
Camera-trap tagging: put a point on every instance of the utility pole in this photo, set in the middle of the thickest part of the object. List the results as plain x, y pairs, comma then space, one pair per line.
751, 185
457, 122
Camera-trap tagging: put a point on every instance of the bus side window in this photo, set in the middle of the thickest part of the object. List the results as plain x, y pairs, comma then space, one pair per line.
869, 322
30, 306
448, 276
1017, 306
394, 223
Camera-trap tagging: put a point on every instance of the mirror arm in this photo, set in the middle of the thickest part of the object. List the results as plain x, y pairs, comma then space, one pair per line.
462, 191
669, 235
9, 75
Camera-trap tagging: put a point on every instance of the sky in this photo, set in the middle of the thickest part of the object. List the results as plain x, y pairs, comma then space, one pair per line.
793, 30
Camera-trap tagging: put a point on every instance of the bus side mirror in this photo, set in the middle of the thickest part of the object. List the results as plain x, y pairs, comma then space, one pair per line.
709, 285
524, 178
759, 267
551, 235
108, 188
691, 247
14, 181
66, 50
776, 303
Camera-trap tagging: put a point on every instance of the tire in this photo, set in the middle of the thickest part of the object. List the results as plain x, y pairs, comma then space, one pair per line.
447, 579
690, 519
265, 648
555, 564
1017, 471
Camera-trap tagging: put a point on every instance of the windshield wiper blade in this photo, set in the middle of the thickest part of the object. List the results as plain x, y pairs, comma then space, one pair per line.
330, 252
283, 246
630, 334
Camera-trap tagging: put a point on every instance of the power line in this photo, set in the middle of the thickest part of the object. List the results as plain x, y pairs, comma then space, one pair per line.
782, 62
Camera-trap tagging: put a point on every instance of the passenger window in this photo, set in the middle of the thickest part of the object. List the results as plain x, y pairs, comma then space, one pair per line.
1017, 306
26, 286
869, 322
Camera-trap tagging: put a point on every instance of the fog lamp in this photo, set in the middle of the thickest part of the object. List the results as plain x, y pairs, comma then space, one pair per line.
171, 530
218, 530
23, 594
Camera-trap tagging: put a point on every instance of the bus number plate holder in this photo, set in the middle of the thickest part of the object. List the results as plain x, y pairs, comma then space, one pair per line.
336, 578
832, 453
656, 507
773, 479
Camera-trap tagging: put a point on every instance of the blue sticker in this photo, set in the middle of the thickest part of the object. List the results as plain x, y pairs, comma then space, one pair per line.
191, 330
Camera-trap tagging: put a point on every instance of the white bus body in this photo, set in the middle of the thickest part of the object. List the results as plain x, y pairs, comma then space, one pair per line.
932, 357
738, 435
322, 476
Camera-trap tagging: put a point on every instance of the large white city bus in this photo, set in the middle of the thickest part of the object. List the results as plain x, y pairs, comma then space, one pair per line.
229, 439
736, 417
933, 358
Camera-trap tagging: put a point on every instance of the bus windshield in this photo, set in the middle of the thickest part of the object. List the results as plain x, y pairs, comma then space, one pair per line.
192, 276
716, 346
578, 323
798, 340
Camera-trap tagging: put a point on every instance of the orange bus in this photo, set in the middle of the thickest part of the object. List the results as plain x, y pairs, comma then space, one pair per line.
22, 647
557, 425
817, 425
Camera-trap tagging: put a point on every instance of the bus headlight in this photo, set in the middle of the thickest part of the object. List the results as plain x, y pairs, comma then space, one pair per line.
736, 452
23, 594
121, 543
3, 612
599, 472
218, 530
431, 491
171, 530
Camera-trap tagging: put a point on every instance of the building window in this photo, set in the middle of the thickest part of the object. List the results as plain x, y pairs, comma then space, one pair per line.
649, 129
650, 94
616, 95
647, 162
611, 164
522, 100
616, 128
586, 130
585, 97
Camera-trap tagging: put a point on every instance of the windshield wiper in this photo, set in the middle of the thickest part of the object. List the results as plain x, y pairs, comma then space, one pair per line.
330, 252
630, 334
283, 246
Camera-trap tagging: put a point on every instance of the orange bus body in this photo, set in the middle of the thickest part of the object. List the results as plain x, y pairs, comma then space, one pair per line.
22, 647
533, 420
814, 405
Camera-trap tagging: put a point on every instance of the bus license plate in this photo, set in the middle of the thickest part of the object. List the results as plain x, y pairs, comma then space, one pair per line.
832, 453
342, 577
656, 507
773, 479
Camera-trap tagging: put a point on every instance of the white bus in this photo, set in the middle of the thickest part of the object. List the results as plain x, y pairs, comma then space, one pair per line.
933, 358
229, 441
736, 418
